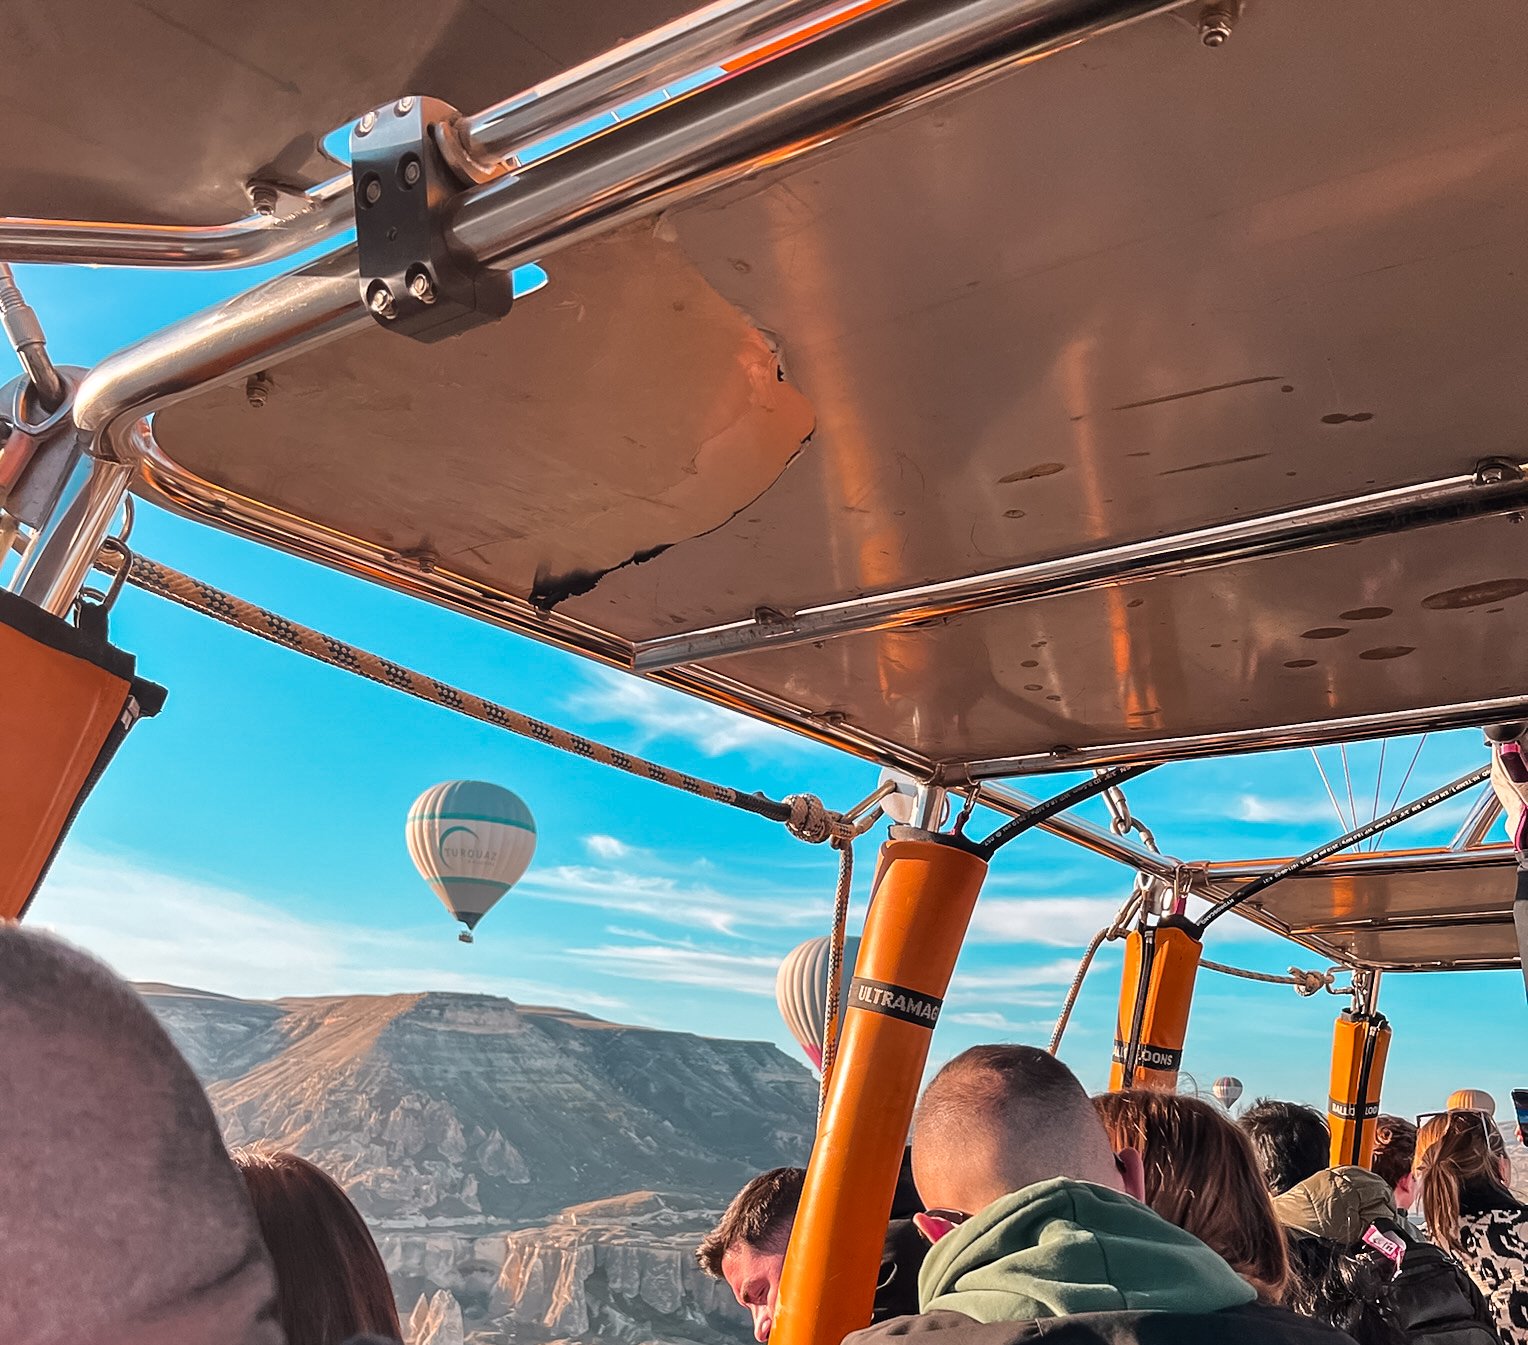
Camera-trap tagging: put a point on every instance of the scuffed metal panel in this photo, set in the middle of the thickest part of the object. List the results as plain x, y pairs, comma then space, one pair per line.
622, 409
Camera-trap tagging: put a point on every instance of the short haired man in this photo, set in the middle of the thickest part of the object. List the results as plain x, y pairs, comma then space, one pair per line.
747, 1248
1395, 1148
1038, 1230
1292, 1142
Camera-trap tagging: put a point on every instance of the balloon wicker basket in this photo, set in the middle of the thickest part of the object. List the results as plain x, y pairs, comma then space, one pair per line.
465, 936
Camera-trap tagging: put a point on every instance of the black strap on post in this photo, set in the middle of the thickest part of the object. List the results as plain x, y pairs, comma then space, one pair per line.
1520, 917
1132, 1053
1374, 1024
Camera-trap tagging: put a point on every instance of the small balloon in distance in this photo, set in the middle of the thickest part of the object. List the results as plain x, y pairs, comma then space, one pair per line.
1227, 1090
471, 842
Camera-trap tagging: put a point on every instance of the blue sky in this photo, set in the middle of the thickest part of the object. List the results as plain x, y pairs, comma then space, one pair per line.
250, 840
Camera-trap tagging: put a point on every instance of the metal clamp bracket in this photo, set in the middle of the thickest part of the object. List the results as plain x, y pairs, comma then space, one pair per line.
410, 280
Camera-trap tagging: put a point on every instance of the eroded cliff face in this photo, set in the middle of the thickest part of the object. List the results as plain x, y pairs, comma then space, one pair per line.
531, 1174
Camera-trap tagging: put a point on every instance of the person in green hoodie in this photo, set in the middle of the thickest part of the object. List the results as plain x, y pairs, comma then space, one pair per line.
1038, 1229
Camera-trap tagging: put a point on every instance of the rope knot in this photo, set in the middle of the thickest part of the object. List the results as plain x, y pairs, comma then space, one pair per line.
810, 820
1308, 983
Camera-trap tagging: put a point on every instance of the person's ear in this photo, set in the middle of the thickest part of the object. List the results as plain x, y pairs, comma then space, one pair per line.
932, 1226
1405, 1191
1132, 1173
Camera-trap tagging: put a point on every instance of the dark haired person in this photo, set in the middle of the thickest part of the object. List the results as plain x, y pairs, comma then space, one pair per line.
747, 1248
331, 1284
122, 1222
1292, 1142
1395, 1147
1355, 1263
1038, 1230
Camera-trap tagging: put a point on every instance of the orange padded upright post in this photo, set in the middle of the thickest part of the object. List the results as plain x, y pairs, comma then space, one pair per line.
921, 902
1360, 1044
1156, 992
66, 700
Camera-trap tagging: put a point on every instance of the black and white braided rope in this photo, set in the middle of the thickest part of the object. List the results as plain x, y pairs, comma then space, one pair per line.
152, 577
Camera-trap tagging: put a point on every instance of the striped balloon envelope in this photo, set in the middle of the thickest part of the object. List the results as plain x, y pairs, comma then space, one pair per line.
801, 992
471, 841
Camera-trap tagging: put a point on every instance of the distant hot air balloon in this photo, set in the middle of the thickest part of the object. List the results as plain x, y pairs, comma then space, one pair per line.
801, 991
1227, 1090
470, 841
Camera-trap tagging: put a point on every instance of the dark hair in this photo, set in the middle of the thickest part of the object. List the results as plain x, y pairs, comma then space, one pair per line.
1454, 1150
760, 1215
330, 1280
1291, 1142
1202, 1175
1395, 1148
1351, 1288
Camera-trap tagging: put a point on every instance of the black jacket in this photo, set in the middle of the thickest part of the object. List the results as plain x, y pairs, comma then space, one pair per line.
1436, 1302
1255, 1324
896, 1290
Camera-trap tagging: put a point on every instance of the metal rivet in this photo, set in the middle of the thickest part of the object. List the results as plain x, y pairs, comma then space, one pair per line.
1215, 25
1494, 471
257, 389
372, 191
404, 106
263, 198
411, 172
380, 301
421, 288
367, 124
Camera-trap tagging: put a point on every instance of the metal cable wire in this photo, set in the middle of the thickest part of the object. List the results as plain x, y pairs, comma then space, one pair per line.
803, 814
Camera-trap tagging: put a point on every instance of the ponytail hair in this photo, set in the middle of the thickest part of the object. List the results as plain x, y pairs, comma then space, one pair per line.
1454, 1149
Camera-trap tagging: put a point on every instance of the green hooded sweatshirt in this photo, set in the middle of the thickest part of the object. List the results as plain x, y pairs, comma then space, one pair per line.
1062, 1247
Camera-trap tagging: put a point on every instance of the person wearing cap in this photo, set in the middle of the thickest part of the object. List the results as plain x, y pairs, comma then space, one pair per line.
1355, 1264
1472, 1099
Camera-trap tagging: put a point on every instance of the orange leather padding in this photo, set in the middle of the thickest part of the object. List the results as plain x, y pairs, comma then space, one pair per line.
56, 711
1168, 992
921, 904
1353, 1107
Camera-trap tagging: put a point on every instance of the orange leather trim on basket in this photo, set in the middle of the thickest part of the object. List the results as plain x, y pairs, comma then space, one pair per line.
921, 904
1351, 1117
56, 711
1168, 996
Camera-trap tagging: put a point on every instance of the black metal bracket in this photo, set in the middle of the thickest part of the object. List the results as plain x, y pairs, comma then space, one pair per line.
410, 279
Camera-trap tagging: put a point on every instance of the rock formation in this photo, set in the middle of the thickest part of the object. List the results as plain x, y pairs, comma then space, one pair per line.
531, 1174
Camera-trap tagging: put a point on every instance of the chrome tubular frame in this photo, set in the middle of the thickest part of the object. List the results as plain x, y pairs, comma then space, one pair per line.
727, 33
1292, 530
1354, 728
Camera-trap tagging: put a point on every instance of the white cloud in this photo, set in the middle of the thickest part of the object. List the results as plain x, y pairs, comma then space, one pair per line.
662, 897
1018, 987
656, 712
683, 964
996, 1022
1062, 922
154, 926
1289, 812
607, 847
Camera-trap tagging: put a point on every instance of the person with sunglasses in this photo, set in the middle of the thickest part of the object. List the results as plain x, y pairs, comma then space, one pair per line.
1463, 1171
1039, 1230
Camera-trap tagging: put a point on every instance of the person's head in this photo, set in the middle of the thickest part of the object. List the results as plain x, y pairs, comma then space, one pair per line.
1202, 1175
1395, 1147
330, 1280
121, 1217
747, 1248
1291, 1141
1456, 1149
999, 1118
1471, 1099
